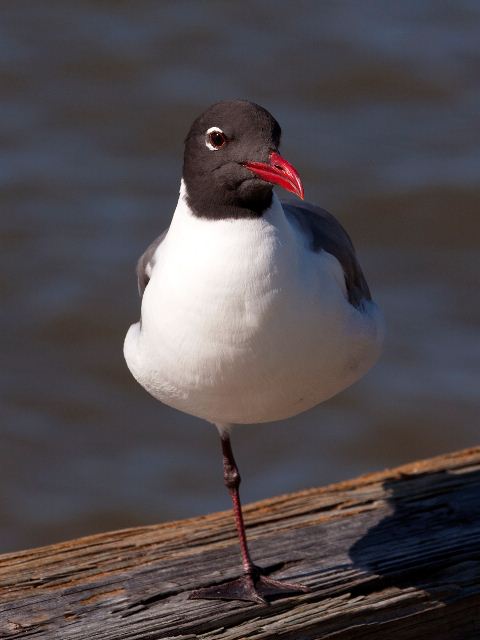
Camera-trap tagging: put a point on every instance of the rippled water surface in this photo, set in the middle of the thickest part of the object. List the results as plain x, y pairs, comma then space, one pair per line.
379, 105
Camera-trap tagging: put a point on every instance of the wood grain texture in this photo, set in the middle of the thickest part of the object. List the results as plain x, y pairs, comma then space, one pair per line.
391, 555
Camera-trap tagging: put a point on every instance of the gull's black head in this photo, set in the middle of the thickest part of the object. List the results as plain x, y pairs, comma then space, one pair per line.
231, 161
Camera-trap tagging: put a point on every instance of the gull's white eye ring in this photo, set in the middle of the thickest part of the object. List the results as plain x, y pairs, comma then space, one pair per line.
215, 139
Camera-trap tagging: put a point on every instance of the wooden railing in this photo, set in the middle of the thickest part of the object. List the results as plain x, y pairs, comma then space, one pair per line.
391, 556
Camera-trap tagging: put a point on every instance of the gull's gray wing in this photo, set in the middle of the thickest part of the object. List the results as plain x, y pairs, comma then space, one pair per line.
325, 232
146, 262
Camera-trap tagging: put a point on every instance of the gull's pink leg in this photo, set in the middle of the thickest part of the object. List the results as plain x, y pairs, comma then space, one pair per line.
252, 586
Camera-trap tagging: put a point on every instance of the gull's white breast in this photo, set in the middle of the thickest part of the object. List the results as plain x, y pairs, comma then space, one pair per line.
241, 323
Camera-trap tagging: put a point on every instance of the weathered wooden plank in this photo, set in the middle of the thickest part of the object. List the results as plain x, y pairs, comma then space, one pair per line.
394, 554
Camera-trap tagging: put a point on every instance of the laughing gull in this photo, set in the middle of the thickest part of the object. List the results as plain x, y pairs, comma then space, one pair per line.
253, 310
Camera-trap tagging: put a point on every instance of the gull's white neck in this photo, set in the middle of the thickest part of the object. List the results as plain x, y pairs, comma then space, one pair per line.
184, 215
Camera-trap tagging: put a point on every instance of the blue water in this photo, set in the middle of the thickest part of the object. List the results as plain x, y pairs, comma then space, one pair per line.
379, 106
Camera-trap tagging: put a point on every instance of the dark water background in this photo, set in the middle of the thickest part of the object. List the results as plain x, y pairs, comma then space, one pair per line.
379, 103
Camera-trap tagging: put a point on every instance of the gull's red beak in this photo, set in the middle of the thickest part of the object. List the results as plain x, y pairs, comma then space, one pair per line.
278, 171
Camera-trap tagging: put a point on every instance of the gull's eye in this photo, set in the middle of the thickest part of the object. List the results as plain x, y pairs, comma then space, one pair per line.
215, 139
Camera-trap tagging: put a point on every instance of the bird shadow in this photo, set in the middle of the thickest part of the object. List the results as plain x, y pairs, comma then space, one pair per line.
429, 538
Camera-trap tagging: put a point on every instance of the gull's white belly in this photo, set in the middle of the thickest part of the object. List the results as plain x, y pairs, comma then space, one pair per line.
240, 326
